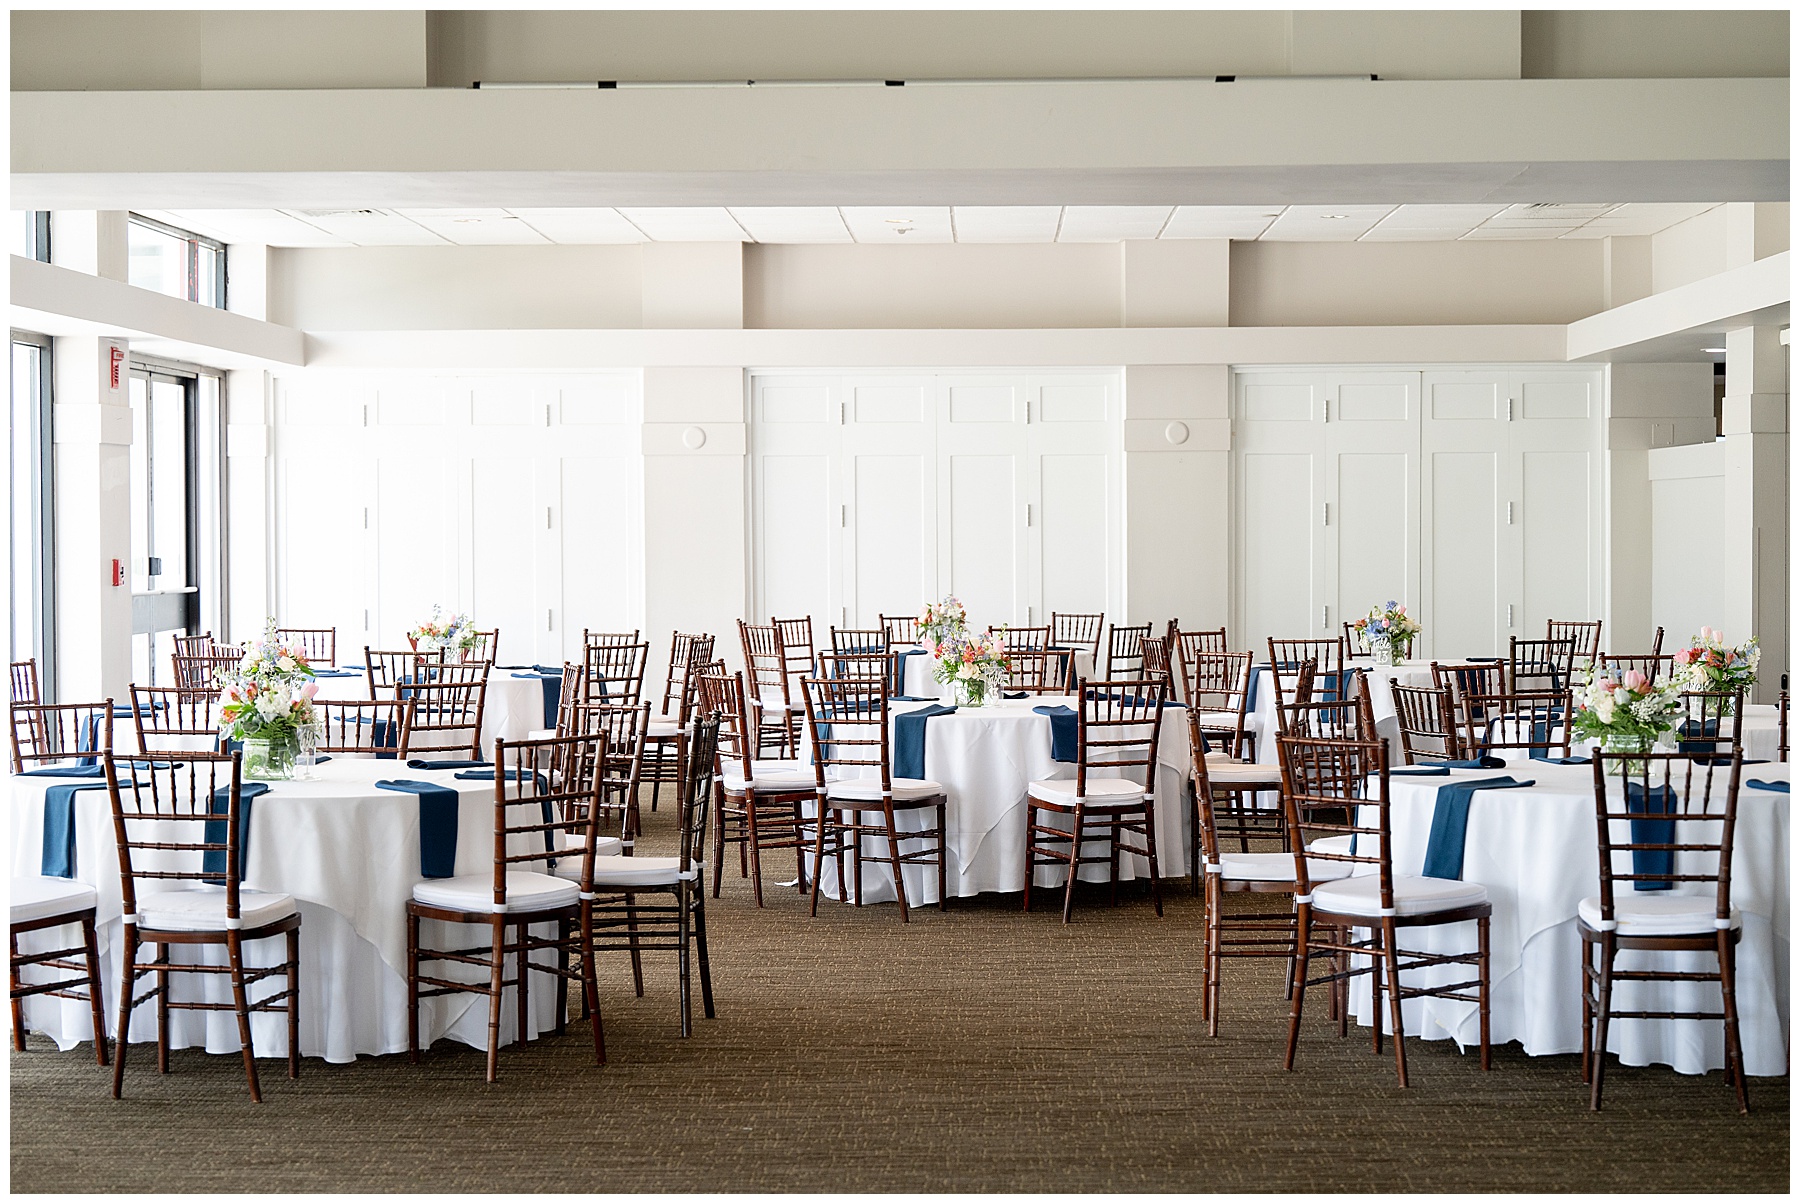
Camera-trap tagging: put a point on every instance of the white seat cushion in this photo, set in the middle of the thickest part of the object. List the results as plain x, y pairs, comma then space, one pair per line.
40, 898
1101, 792
1332, 844
1361, 896
770, 700
202, 909
1658, 913
1276, 867
869, 789
569, 865
642, 871
525, 891
1218, 719
1242, 773
779, 777
663, 729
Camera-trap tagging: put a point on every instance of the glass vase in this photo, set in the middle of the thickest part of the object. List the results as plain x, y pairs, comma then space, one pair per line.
969, 691
1626, 742
1382, 649
270, 758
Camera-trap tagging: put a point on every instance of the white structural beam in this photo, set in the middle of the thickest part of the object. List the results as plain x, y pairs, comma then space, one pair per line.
1672, 325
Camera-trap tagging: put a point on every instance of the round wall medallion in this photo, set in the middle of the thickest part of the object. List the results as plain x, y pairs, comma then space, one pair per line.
693, 438
1176, 432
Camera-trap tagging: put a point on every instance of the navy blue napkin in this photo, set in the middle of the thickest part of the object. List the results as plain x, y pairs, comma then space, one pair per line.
1569, 760
214, 860
1705, 735
911, 698
487, 775
1064, 732
331, 672
437, 825
1450, 823
1250, 690
1020, 694
81, 770
900, 659
909, 739
552, 693
1759, 784
419, 763
58, 857
124, 710
1420, 771
1657, 801
1476, 763
386, 735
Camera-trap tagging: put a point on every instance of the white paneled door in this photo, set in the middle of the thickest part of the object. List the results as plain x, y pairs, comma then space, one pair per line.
873, 494
1472, 496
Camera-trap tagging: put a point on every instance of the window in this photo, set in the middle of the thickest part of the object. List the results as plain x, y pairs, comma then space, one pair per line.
31, 234
29, 509
177, 479
176, 262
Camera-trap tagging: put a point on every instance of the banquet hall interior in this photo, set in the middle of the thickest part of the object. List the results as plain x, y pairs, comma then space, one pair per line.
876, 600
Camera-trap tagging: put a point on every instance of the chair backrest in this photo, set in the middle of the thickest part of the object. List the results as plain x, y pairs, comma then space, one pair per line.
1656, 643
1218, 683
1666, 821
1285, 657
856, 666
1070, 630
1037, 671
485, 648
613, 674
443, 713
1427, 723
848, 721
171, 719
900, 629
1535, 721
1125, 650
1342, 714
590, 638
859, 639
187, 816
541, 818
204, 671
574, 691
1331, 788
686, 651
1464, 682
44, 733
1356, 642
1654, 667
1586, 636
1025, 639
722, 694
797, 651
696, 805
363, 726
319, 644
1158, 662
1711, 722
386, 670
624, 728
1118, 725
765, 663
25, 682
1192, 644
193, 645
1781, 725
1540, 664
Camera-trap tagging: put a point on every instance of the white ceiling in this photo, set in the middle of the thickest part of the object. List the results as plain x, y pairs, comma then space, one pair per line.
925, 223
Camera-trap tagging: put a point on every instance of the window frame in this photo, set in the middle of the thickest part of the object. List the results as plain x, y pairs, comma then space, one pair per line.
194, 243
43, 494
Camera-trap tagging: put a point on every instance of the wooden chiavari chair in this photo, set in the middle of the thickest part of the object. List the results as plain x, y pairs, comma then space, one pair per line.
853, 776
665, 741
1158, 663
797, 650
1125, 650
1654, 668
1042, 671
1218, 692
318, 643
1711, 722
1656, 643
362, 726
900, 629
171, 719
1025, 639
1022, 644
624, 728
1285, 657
485, 648
856, 666
1666, 822
1535, 723
1335, 794
25, 683
46, 734
574, 691
193, 645
1191, 644
1069, 630
1586, 637
1356, 642
622, 921
614, 673
539, 822
1118, 724
591, 638
387, 671
1533, 665
774, 702
1781, 725
1480, 680
157, 808
1427, 724
859, 639
443, 714
757, 803
39, 903
205, 671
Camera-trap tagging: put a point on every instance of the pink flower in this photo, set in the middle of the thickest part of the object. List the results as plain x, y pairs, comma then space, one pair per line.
1684, 656
1605, 685
310, 689
1635, 681
1399, 610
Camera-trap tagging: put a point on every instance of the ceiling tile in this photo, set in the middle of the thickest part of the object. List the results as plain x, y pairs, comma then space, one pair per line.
1220, 221
269, 227
1324, 223
1549, 215
1006, 223
476, 227
1488, 233
792, 224
1387, 233
577, 227
1112, 223
898, 223
680, 223
369, 227
1441, 217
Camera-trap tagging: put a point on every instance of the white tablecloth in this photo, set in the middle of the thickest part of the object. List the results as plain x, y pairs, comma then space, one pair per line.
921, 684
984, 757
1535, 850
512, 710
349, 853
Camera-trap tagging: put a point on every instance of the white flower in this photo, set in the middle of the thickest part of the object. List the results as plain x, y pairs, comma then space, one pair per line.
1605, 710
285, 663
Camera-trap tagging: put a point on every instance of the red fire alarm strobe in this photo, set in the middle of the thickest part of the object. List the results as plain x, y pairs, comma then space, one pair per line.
118, 572
118, 359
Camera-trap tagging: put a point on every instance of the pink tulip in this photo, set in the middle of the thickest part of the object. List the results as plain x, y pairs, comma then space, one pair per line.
1399, 610
309, 690
1635, 681
1605, 685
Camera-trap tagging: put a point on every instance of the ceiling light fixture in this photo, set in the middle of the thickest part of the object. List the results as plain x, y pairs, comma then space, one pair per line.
1334, 217
1713, 350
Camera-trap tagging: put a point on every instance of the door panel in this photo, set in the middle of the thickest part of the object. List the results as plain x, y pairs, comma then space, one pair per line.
416, 544
894, 553
594, 525
1556, 552
1280, 522
1372, 531
1464, 583
1071, 534
503, 574
984, 549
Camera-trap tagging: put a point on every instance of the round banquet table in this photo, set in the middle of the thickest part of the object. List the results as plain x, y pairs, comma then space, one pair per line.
349, 854
984, 757
1536, 851
512, 709
919, 682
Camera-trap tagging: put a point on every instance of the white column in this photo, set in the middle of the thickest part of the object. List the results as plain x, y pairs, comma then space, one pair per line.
93, 519
91, 241
1754, 562
247, 476
1177, 494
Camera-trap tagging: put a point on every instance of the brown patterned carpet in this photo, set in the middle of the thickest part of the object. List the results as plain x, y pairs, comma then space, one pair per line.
976, 1050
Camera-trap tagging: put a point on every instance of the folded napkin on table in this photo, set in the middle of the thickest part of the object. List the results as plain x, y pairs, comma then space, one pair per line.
1450, 823
418, 763
1759, 784
214, 860
57, 859
909, 739
1064, 731
900, 659
1658, 800
437, 825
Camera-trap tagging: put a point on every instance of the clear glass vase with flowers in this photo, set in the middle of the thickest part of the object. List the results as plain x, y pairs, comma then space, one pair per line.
1626, 713
265, 701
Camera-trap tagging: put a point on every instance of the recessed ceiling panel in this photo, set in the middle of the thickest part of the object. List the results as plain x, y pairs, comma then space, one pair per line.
369, 227
476, 227
1324, 223
270, 227
792, 224
686, 224
1112, 223
1006, 223
1220, 221
578, 227
899, 223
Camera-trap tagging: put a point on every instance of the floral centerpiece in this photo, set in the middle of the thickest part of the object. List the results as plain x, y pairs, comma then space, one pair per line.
1390, 631
1709, 663
1628, 713
974, 667
456, 631
265, 701
941, 622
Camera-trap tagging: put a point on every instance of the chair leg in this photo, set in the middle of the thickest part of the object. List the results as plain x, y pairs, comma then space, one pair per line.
293, 1002
1030, 849
523, 1011
96, 1004
564, 936
412, 988
18, 1003
1587, 1011
165, 957
590, 989
819, 857
127, 988
496, 976
1603, 1013
1375, 986
1391, 958
943, 859
637, 956
1210, 964
893, 844
1302, 958
754, 839
1734, 1050
718, 866
706, 991
683, 931
234, 950
1481, 932
1150, 845
1074, 865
